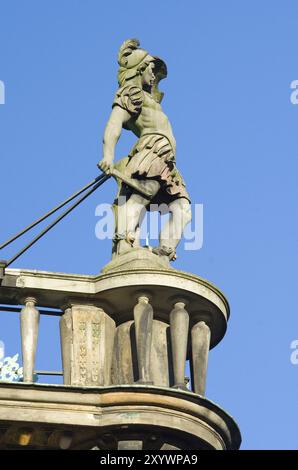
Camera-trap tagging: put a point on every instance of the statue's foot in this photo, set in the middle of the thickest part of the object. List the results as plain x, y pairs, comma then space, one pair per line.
165, 251
129, 237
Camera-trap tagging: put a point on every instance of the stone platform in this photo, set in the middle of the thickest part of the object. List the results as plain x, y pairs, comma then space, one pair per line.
126, 337
124, 417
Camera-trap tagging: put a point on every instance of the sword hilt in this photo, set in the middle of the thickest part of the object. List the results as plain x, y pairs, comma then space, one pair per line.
133, 183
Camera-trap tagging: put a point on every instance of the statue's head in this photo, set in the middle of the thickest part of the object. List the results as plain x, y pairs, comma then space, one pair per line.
136, 65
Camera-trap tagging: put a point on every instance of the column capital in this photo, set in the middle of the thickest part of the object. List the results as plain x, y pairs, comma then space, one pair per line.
143, 296
179, 299
30, 299
202, 324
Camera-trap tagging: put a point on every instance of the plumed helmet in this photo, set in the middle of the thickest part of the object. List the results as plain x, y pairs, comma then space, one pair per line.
133, 60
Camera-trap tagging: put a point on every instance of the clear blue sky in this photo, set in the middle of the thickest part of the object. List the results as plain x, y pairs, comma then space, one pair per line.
228, 97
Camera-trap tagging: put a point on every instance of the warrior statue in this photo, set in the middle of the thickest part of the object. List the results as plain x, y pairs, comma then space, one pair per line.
151, 165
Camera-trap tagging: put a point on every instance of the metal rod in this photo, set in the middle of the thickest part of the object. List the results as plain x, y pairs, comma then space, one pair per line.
48, 372
5, 308
55, 209
55, 222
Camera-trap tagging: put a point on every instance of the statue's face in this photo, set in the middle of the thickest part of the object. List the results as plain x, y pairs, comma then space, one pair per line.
148, 76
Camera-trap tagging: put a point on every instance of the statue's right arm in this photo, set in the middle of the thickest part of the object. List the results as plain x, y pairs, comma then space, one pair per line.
117, 119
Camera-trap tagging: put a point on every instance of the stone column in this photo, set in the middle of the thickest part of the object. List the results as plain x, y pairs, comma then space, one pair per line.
66, 339
125, 362
179, 323
87, 339
143, 317
200, 339
29, 331
160, 354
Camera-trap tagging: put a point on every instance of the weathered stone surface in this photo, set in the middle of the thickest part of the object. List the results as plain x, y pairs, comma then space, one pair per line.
136, 258
124, 366
66, 339
2, 270
87, 334
95, 305
29, 332
169, 447
143, 319
179, 321
200, 341
148, 177
136, 291
130, 445
161, 366
60, 414
118, 290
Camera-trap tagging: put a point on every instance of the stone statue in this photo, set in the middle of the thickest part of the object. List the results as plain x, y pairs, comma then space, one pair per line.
151, 165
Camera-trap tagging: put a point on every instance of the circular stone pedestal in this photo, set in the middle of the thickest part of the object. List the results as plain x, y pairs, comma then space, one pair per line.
117, 293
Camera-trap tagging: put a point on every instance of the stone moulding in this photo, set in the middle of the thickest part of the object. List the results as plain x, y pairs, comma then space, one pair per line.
199, 422
114, 291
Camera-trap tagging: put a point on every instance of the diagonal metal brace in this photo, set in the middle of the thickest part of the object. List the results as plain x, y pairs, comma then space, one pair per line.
133, 183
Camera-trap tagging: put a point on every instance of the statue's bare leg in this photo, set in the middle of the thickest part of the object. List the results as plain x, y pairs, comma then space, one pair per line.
138, 229
130, 216
171, 232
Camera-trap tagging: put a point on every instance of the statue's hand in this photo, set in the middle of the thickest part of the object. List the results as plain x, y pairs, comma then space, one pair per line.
105, 166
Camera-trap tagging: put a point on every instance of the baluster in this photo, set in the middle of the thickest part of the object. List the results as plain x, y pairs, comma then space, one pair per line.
200, 338
179, 323
66, 334
143, 317
29, 331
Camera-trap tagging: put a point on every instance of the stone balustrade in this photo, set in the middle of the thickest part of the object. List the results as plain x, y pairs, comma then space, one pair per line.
127, 339
126, 334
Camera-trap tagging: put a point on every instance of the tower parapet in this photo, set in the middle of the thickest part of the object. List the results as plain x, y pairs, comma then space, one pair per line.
126, 337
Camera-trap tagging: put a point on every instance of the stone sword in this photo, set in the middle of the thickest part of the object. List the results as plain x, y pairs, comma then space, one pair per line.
133, 183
